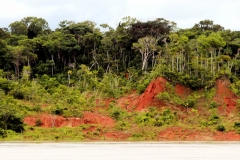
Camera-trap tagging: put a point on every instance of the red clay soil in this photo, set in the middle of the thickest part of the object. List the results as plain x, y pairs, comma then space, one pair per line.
93, 118
225, 97
182, 91
148, 98
48, 120
178, 133
116, 136
227, 136
125, 101
155, 87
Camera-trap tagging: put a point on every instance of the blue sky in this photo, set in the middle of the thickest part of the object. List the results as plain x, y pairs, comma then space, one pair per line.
184, 12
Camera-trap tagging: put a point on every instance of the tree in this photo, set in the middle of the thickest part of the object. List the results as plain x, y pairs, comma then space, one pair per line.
158, 29
30, 46
4, 33
18, 28
9, 119
207, 25
146, 46
212, 43
35, 26
29, 26
92, 42
17, 53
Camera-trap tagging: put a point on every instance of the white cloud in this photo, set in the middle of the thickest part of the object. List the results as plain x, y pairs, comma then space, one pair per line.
184, 12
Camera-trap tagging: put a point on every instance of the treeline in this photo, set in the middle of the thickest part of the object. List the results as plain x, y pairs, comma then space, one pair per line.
192, 56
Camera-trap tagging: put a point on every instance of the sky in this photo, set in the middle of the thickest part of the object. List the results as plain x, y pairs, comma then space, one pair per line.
185, 13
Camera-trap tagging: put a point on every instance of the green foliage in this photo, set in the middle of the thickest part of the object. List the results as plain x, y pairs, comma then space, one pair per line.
3, 133
214, 119
117, 113
155, 118
112, 85
170, 97
167, 116
209, 94
164, 96
122, 126
6, 85
190, 101
220, 128
142, 85
236, 125
9, 118
213, 104
235, 87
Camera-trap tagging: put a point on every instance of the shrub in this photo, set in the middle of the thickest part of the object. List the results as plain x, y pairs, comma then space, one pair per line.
117, 113
3, 133
167, 116
143, 85
158, 122
37, 108
190, 101
122, 126
38, 122
164, 96
18, 94
220, 128
5, 85
214, 119
214, 104
237, 125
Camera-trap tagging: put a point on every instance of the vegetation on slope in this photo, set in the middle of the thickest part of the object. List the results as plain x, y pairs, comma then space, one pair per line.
80, 68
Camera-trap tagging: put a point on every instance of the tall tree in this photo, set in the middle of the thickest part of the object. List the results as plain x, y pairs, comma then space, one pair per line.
146, 46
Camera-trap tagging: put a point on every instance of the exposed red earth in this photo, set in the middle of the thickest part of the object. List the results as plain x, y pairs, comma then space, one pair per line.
134, 102
116, 136
49, 120
225, 97
178, 133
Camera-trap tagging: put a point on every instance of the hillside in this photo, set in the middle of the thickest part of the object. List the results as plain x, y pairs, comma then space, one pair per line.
138, 81
146, 116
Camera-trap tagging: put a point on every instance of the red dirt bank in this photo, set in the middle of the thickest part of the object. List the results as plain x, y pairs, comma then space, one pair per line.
48, 120
224, 96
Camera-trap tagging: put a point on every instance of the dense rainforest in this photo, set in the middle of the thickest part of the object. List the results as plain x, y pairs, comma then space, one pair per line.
82, 69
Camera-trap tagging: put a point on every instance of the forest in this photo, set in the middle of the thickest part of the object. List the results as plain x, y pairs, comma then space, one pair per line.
80, 66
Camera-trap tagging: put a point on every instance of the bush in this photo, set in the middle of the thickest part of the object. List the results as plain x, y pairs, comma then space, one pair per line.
38, 122
18, 94
122, 126
158, 122
220, 128
5, 85
10, 118
213, 119
167, 116
214, 104
164, 96
3, 133
155, 118
190, 101
237, 125
117, 113
141, 87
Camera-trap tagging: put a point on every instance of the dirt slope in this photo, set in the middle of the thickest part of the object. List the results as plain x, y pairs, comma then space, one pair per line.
49, 120
225, 97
